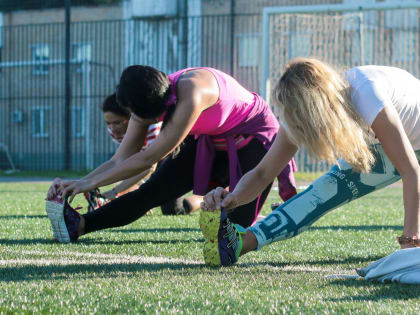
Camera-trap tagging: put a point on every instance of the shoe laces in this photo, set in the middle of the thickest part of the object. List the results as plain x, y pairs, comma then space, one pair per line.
231, 235
68, 208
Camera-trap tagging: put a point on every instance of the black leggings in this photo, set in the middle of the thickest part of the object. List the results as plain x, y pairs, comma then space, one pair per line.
173, 179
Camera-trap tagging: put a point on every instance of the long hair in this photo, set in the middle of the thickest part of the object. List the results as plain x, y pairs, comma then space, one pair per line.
316, 110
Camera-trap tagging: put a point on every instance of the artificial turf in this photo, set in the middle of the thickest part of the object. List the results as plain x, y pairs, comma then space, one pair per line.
155, 264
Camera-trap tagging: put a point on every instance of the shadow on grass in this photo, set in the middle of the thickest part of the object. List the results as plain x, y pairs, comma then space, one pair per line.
22, 191
86, 271
160, 230
375, 291
353, 260
357, 227
28, 241
22, 216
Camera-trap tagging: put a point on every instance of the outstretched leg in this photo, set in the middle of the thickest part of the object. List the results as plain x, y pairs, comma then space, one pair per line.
171, 180
339, 186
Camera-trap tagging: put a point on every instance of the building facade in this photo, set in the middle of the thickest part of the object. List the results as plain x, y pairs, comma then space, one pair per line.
169, 35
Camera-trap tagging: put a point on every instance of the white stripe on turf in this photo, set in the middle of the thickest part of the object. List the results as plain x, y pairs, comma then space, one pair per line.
56, 258
90, 259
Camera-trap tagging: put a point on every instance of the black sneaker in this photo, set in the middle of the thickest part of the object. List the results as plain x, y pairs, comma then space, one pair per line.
179, 206
94, 199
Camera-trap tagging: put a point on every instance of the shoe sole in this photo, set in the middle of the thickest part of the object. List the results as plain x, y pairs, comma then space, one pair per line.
209, 224
56, 216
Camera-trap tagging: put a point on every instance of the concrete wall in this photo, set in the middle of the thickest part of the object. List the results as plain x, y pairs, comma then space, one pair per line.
78, 14
254, 6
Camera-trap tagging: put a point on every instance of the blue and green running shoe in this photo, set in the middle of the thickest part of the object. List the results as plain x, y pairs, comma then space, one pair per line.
223, 240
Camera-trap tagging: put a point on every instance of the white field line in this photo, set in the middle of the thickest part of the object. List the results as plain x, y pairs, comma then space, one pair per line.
66, 262
307, 268
89, 259
153, 260
112, 259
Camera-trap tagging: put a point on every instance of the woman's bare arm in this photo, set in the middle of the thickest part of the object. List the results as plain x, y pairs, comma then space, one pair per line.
196, 92
389, 130
256, 180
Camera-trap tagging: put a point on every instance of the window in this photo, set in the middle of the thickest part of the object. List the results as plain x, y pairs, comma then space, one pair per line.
361, 27
366, 17
249, 49
405, 19
40, 55
82, 53
404, 25
78, 118
300, 44
404, 45
39, 121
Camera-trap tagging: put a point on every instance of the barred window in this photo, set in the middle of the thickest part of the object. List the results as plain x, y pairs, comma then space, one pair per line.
82, 53
40, 55
39, 120
78, 121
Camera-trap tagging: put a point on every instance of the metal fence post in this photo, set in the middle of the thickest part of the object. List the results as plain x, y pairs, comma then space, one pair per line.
362, 39
232, 37
67, 104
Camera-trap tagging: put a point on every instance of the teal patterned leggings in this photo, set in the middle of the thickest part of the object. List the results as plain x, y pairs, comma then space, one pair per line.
339, 186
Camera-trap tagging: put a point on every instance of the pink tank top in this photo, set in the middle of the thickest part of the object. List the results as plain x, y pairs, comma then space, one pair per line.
233, 106
237, 112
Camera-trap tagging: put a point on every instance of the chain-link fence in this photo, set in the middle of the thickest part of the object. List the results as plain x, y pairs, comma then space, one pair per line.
344, 36
32, 74
32, 90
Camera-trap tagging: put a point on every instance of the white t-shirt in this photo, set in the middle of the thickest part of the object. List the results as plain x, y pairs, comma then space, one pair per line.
374, 87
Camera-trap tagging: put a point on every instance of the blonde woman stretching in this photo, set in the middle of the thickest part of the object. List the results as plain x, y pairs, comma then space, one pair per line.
335, 119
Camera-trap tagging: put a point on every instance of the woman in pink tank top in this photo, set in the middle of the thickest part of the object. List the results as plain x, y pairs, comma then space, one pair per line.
215, 129
116, 119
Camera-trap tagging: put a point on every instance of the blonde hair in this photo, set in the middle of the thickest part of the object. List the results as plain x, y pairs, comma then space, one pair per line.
317, 113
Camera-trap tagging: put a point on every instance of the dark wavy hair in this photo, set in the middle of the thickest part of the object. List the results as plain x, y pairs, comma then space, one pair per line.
144, 90
110, 104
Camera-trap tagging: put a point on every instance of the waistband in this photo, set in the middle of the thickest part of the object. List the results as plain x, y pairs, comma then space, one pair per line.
240, 142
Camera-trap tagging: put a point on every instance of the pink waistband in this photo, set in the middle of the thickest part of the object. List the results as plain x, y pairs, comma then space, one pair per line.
240, 142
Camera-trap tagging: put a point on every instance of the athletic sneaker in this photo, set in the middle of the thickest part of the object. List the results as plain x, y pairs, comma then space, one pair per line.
179, 206
186, 207
275, 205
64, 220
94, 199
223, 240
